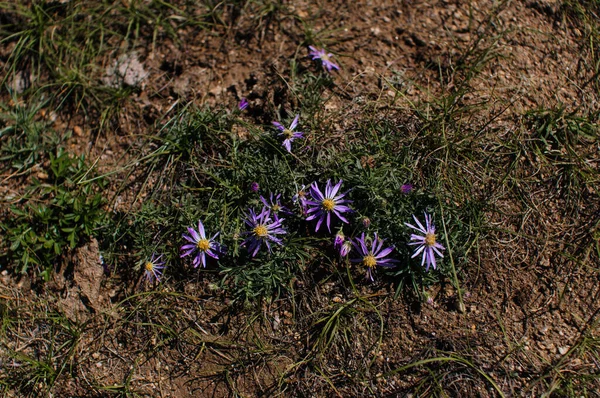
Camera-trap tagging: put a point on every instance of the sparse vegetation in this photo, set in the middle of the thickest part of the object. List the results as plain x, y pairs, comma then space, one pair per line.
120, 130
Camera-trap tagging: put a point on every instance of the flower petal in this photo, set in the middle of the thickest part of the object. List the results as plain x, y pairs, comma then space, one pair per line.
432, 257
384, 252
335, 189
295, 122
419, 224
419, 250
319, 222
201, 230
316, 192
340, 216
287, 144
194, 234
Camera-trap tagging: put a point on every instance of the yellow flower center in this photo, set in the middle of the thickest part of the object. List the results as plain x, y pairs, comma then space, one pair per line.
287, 133
149, 266
302, 194
203, 244
430, 239
369, 261
260, 231
328, 204
275, 208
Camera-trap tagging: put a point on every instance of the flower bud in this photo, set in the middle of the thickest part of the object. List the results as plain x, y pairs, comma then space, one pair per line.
339, 240
345, 248
406, 188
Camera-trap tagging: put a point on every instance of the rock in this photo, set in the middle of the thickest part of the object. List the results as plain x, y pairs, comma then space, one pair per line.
81, 292
20, 82
127, 70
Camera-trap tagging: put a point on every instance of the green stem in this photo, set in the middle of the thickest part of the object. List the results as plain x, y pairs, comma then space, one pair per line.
461, 304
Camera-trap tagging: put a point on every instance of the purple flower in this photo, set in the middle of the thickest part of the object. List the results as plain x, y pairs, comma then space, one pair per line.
300, 197
200, 245
366, 222
322, 206
372, 256
427, 243
345, 248
153, 268
262, 229
274, 206
406, 188
254, 187
243, 104
325, 58
288, 133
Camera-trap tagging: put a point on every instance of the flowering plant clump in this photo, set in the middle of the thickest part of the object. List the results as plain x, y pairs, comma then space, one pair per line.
274, 205
265, 228
153, 268
323, 205
372, 254
262, 229
274, 240
200, 246
426, 243
289, 134
319, 53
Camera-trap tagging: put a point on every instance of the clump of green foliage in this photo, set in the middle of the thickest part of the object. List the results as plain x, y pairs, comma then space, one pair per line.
54, 215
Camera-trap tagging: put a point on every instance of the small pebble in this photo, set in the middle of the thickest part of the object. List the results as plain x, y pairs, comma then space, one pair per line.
78, 131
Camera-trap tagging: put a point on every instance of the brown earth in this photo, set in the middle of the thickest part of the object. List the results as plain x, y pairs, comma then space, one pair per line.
532, 291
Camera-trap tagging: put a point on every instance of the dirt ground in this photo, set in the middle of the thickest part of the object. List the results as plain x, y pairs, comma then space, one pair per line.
531, 293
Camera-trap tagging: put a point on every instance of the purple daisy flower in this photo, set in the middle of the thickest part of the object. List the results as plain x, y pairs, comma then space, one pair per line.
153, 268
288, 133
274, 205
200, 245
323, 205
254, 187
243, 104
427, 243
300, 198
325, 58
262, 229
372, 256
